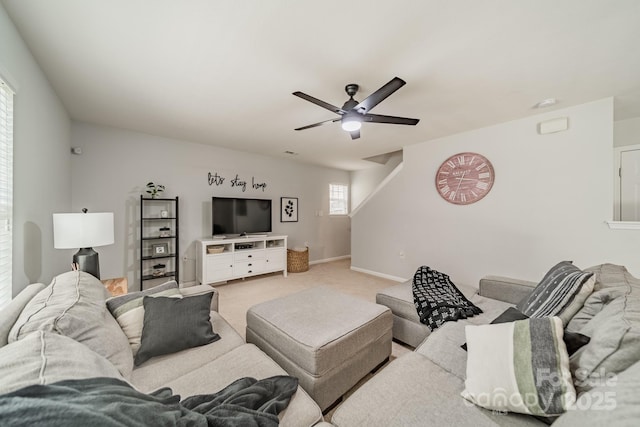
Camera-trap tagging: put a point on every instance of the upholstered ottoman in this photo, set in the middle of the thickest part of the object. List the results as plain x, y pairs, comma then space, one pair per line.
326, 339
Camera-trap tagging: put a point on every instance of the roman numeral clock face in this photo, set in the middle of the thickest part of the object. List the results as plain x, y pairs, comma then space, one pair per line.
464, 178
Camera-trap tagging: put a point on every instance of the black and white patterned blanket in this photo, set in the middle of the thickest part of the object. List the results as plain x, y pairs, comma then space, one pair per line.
438, 300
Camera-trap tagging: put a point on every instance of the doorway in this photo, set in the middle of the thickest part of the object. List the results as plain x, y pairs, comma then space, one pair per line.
627, 191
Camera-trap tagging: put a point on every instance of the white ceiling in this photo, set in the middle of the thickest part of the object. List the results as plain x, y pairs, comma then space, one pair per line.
222, 72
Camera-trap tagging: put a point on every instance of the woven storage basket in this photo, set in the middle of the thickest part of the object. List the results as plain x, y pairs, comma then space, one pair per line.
297, 260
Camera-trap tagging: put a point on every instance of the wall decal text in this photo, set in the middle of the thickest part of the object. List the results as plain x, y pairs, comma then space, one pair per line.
218, 180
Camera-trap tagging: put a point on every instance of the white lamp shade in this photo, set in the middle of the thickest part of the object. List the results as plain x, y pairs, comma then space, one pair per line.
82, 230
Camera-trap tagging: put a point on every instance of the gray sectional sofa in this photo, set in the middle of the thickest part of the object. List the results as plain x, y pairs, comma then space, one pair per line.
424, 387
418, 389
72, 346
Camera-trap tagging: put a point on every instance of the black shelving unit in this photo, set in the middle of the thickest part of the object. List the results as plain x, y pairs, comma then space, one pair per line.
150, 223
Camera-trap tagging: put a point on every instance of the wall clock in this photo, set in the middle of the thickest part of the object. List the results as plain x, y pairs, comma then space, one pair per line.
464, 178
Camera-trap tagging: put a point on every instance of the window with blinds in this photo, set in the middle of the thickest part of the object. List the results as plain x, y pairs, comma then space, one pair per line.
338, 199
6, 191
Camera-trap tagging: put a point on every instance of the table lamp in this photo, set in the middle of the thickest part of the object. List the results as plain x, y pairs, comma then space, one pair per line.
83, 230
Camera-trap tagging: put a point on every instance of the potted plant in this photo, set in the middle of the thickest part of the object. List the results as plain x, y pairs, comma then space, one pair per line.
154, 189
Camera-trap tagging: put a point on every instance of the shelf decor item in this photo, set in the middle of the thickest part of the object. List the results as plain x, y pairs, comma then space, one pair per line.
83, 230
160, 249
288, 209
164, 214
165, 231
215, 249
154, 190
158, 270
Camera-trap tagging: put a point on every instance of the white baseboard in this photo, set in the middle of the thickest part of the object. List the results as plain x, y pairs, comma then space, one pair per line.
321, 261
377, 274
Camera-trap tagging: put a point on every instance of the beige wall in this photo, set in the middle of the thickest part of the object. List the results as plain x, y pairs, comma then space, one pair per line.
116, 164
551, 197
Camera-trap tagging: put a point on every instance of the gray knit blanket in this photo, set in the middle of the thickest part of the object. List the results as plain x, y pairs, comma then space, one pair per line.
110, 402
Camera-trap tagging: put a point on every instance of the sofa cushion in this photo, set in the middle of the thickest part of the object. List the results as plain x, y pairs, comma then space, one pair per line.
44, 357
614, 402
246, 361
612, 281
74, 305
561, 292
615, 340
158, 371
11, 312
520, 366
128, 310
171, 325
414, 391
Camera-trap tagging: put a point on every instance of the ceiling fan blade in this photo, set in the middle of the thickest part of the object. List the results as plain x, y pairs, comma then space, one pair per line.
320, 103
355, 134
318, 124
380, 95
377, 118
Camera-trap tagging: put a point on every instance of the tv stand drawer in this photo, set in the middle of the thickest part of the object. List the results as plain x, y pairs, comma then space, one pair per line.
247, 255
248, 268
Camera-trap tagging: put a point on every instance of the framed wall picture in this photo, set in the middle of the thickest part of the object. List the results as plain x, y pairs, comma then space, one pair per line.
160, 249
288, 209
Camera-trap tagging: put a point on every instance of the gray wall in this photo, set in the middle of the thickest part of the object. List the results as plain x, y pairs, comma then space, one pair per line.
551, 198
116, 164
365, 181
42, 172
626, 132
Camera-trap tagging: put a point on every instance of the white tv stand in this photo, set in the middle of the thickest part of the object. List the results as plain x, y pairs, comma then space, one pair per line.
219, 260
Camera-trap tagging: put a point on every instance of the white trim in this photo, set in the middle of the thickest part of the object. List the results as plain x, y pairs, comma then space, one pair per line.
380, 186
377, 274
623, 225
322, 261
617, 184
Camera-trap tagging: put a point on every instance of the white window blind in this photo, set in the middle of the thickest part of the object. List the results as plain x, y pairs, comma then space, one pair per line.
338, 199
6, 191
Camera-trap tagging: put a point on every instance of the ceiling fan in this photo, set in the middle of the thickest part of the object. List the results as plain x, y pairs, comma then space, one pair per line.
354, 113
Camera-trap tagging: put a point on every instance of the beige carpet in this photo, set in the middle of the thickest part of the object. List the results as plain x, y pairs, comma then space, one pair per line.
238, 295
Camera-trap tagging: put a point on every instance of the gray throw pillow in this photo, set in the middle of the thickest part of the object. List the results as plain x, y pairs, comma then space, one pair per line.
171, 325
128, 310
561, 292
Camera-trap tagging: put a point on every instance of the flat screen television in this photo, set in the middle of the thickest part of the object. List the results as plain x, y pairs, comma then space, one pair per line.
231, 215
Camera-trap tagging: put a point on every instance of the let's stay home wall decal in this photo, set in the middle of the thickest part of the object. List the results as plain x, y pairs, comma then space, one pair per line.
218, 180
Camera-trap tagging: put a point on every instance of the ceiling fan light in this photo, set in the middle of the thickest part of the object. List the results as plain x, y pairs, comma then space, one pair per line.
351, 124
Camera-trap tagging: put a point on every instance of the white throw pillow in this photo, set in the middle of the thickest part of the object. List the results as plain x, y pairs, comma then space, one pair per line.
521, 366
